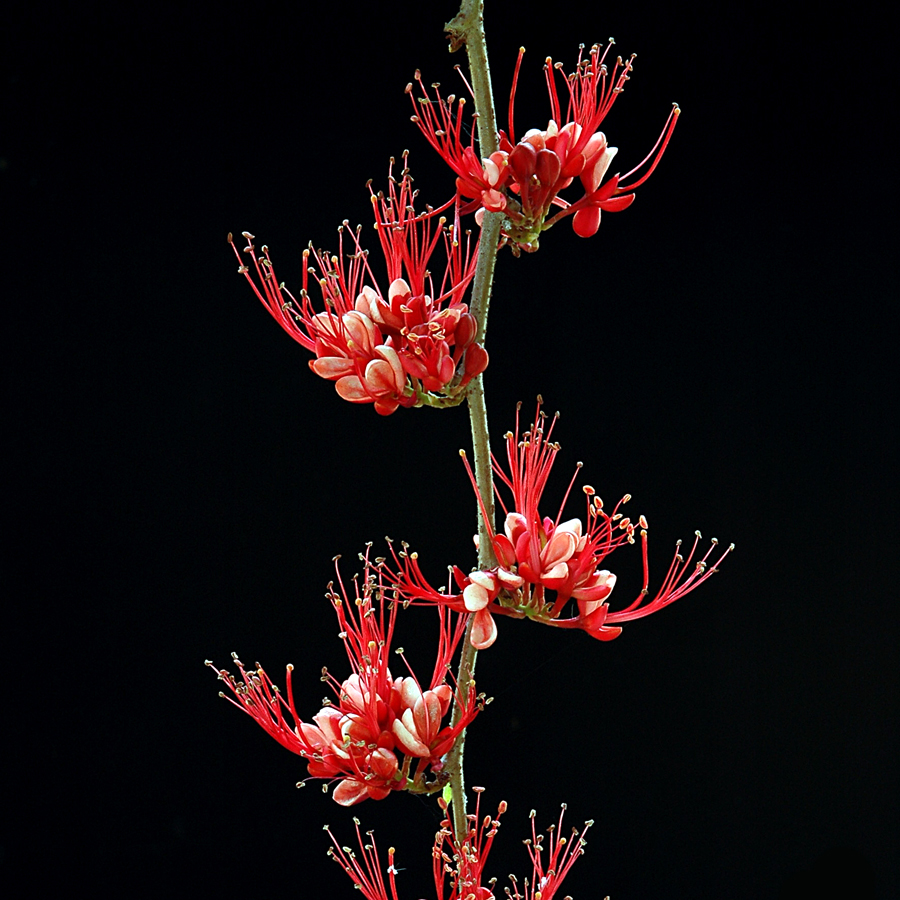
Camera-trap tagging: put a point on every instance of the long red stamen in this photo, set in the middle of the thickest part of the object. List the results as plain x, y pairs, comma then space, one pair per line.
664, 138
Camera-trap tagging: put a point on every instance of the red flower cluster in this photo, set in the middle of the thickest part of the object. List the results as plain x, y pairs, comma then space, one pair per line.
414, 345
459, 864
524, 177
369, 736
544, 562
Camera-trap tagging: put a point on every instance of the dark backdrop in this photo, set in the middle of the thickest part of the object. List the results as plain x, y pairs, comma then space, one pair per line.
180, 481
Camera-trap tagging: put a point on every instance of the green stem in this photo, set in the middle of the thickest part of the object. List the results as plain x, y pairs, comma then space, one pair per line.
468, 28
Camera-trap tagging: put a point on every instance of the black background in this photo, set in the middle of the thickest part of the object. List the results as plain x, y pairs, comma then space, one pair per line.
180, 481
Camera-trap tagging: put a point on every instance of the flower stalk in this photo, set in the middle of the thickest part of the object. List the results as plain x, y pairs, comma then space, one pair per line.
468, 28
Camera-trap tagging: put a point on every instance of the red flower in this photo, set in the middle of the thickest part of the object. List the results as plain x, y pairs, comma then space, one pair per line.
524, 177
408, 347
544, 562
369, 736
459, 864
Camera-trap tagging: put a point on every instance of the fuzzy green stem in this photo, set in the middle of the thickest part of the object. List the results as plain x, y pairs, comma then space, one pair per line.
468, 28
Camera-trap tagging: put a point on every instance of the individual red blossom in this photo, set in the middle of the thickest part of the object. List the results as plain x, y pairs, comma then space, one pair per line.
544, 562
524, 177
412, 346
369, 736
459, 864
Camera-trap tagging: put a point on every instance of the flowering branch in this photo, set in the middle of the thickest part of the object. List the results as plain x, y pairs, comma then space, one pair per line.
411, 340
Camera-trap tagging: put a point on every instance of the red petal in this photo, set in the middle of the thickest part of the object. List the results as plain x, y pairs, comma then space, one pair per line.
414, 366
547, 167
476, 360
605, 634
586, 221
506, 553
383, 763
605, 191
385, 406
522, 161
446, 370
464, 333
617, 204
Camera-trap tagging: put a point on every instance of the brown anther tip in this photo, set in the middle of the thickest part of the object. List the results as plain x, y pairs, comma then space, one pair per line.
230, 238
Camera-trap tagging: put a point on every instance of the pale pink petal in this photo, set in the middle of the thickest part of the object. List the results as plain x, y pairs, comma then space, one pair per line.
597, 588
491, 171
484, 630
559, 549
326, 324
404, 732
571, 525
445, 695
596, 144
514, 525
313, 736
398, 288
383, 763
600, 167
379, 378
328, 720
427, 716
559, 572
348, 792
351, 388
332, 367
410, 692
390, 356
485, 579
535, 137
493, 201
367, 303
510, 579
475, 597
